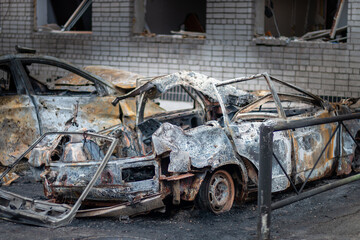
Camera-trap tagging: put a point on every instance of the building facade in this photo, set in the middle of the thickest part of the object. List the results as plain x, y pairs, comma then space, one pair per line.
230, 48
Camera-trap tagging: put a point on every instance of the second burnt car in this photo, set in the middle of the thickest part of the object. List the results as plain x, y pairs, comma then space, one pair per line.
42, 93
207, 152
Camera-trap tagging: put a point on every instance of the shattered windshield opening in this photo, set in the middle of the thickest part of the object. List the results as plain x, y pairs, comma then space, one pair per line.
246, 92
271, 98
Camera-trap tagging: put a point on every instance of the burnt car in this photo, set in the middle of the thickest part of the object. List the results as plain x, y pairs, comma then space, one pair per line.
207, 152
42, 93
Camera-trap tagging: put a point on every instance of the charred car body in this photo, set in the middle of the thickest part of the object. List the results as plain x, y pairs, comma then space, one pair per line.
42, 93
208, 153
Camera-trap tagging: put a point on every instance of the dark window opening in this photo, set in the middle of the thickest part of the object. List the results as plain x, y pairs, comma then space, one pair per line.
167, 17
7, 84
66, 15
4, 202
138, 173
306, 19
165, 166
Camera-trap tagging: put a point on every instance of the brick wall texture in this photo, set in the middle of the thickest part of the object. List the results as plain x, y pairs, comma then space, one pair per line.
228, 51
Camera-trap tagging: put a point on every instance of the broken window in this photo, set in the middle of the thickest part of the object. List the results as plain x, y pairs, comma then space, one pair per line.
176, 98
181, 107
170, 17
306, 19
7, 84
65, 15
51, 80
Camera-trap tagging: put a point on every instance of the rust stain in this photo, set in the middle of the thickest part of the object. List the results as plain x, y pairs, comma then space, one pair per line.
12, 118
120, 78
176, 177
306, 158
9, 178
189, 187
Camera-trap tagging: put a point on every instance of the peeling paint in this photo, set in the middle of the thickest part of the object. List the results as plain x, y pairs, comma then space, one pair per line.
27, 114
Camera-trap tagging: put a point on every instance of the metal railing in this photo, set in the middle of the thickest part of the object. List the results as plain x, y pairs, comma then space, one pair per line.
265, 171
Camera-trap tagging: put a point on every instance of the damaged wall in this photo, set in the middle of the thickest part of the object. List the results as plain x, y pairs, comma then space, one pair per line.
228, 50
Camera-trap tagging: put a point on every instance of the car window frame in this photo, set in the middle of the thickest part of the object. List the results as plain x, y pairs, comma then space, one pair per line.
273, 93
19, 85
316, 98
194, 103
143, 99
100, 86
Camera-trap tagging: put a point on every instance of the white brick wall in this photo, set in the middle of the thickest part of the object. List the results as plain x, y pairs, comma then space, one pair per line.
228, 51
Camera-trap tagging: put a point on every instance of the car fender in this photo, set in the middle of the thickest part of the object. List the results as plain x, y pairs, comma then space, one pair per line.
201, 147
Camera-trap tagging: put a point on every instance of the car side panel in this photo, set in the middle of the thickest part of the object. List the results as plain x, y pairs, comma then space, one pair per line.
112, 186
308, 145
247, 138
91, 112
18, 126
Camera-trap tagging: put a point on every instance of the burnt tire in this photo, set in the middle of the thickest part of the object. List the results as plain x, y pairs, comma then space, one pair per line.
217, 192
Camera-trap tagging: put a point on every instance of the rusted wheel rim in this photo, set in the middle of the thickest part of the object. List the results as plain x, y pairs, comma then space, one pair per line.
221, 192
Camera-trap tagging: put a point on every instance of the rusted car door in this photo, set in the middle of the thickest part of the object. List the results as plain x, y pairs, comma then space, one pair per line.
91, 112
86, 105
18, 120
309, 142
244, 129
246, 135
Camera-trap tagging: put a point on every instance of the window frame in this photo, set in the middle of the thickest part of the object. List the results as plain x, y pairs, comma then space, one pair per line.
140, 28
259, 27
72, 20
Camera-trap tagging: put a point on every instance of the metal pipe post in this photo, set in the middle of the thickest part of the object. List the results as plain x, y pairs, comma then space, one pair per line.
265, 173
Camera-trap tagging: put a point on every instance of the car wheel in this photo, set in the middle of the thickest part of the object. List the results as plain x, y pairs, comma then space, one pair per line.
217, 192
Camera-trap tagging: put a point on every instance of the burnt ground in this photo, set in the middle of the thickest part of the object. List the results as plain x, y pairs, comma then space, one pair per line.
331, 215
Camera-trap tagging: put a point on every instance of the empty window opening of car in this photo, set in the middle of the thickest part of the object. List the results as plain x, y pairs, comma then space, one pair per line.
272, 100
51, 80
184, 17
181, 106
63, 16
177, 98
7, 83
324, 20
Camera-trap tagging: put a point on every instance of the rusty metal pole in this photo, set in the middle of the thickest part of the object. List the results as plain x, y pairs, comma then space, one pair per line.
265, 173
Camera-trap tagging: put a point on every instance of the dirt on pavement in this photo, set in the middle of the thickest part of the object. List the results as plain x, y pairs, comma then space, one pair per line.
331, 215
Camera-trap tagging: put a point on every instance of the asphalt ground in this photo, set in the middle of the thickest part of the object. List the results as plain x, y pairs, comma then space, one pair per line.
334, 214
